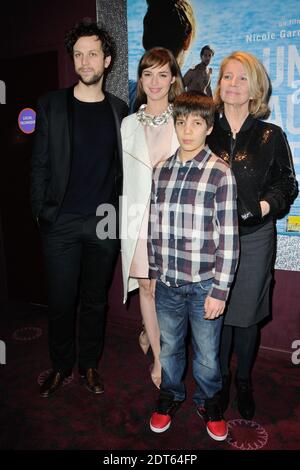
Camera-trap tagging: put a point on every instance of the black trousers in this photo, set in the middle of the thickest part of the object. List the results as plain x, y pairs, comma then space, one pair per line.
244, 343
79, 268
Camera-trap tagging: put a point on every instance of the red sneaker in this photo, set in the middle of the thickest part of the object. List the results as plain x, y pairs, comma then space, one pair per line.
161, 418
160, 422
211, 413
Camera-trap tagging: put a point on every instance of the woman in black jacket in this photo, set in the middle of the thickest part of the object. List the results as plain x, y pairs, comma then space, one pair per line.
260, 158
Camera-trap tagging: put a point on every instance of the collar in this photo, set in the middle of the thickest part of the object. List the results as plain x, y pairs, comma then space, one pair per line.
197, 161
247, 124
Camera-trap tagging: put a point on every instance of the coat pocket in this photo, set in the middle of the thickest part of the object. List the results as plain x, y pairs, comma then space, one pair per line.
249, 212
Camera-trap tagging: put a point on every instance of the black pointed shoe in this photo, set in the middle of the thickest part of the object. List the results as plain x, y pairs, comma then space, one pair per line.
244, 399
92, 381
225, 392
52, 383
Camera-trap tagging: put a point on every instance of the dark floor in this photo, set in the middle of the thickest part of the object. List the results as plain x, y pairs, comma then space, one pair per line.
74, 419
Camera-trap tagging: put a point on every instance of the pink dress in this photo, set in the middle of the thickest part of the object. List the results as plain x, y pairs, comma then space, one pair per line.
159, 140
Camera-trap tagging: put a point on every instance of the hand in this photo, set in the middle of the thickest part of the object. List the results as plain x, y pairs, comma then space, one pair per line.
147, 286
265, 208
213, 308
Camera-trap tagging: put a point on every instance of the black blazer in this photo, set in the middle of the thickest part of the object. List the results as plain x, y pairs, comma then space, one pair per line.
52, 151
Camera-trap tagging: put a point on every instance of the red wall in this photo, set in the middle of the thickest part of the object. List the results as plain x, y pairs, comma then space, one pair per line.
33, 61
284, 326
34, 26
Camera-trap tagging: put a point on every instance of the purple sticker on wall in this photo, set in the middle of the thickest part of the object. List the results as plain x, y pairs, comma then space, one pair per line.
26, 120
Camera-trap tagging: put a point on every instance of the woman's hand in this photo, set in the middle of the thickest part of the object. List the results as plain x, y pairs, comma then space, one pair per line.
152, 287
147, 286
265, 208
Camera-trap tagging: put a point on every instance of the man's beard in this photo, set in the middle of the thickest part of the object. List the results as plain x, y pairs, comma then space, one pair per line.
91, 81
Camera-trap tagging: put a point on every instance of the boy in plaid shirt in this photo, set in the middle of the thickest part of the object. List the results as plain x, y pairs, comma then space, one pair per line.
193, 253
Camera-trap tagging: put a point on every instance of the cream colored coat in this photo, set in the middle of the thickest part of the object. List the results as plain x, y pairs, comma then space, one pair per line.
137, 179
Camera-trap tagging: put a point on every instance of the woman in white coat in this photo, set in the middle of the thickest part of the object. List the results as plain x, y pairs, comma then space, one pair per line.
148, 138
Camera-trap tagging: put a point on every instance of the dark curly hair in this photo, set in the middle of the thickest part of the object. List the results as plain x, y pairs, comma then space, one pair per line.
87, 27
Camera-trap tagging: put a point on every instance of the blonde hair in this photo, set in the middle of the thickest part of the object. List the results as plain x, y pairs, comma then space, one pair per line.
259, 84
158, 57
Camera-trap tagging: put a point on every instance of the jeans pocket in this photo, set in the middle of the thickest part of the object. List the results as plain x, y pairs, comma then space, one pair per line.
205, 285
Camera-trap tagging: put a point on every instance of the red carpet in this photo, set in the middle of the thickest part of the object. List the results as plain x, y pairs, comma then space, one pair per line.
74, 419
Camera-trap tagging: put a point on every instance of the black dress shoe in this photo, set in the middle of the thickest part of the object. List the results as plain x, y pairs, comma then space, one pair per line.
244, 399
225, 392
52, 383
92, 381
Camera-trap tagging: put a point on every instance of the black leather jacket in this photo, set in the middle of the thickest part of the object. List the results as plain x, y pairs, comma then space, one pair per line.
262, 164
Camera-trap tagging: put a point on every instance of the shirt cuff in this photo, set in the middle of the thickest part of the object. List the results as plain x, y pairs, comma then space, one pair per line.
153, 273
217, 293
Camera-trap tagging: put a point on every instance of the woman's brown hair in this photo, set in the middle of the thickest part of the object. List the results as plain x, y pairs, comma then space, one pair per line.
158, 57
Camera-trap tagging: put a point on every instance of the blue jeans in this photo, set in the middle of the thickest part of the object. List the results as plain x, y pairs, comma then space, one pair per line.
175, 307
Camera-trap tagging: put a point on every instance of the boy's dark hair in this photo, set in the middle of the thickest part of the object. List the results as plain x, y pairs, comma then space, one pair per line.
196, 103
207, 48
87, 27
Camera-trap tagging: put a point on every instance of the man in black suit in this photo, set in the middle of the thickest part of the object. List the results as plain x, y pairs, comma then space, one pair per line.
77, 168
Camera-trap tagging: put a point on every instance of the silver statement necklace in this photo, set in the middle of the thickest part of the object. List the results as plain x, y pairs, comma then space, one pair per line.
149, 120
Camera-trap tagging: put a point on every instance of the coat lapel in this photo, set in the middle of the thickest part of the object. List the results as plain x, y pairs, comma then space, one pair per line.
69, 111
136, 145
118, 120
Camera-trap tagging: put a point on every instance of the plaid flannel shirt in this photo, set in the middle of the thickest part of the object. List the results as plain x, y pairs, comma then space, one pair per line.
193, 225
